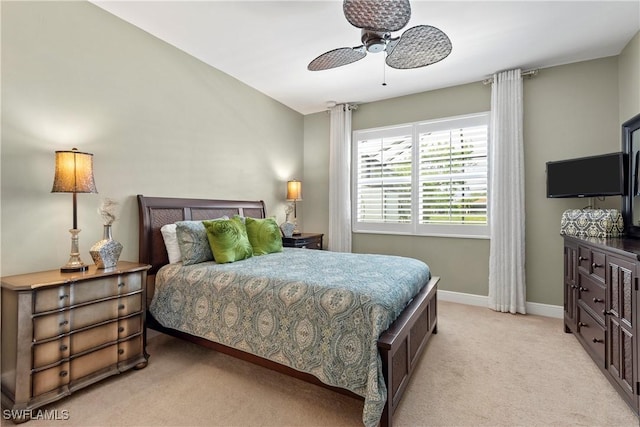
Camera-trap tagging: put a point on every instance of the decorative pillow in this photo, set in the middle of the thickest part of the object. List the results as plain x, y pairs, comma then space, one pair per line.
171, 242
228, 240
264, 235
193, 241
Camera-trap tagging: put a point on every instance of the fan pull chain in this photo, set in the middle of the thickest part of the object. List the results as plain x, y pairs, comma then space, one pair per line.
384, 73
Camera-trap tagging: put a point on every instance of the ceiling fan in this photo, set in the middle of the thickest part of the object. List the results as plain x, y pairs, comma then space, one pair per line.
418, 46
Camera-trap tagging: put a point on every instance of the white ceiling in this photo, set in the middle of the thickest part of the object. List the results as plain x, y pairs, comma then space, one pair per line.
268, 44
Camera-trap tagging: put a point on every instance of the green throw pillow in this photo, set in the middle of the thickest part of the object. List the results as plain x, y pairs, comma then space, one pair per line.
264, 235
228, 240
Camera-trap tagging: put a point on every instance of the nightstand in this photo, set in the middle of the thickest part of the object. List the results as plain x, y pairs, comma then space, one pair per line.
64, 331
303, 240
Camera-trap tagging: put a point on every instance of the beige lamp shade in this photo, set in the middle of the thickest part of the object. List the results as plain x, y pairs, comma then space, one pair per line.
74, 172
294, 190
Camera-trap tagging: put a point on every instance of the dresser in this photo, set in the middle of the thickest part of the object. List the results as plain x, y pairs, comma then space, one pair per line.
601, 301
64, 331
303, 240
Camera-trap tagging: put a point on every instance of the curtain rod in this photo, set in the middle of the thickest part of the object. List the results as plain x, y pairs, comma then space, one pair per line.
528, 73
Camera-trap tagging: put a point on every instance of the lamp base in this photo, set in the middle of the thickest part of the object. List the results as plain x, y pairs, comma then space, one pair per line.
74, 264
65, 269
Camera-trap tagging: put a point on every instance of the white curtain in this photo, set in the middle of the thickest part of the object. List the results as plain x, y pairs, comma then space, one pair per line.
507, 289
340, 179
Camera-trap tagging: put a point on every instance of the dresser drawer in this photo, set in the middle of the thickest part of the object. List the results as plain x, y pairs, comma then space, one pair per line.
593, 335
51, 352
309, 244
93, 362
97, 313
94, 337
129, 326
50, 379
92, 290
592, 293
51, 325
51, 298
54, 324
303, 241
130, 283
592, 262
598, 265
81, 292
130, 348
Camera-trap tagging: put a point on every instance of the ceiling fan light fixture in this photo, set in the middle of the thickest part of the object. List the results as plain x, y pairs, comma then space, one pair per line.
374, 42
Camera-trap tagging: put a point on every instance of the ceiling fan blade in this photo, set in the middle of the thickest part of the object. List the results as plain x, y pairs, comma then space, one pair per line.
382, 16
418, 47
337, 58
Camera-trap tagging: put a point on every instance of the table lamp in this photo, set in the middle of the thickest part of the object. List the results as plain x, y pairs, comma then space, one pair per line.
294, 193
74, 174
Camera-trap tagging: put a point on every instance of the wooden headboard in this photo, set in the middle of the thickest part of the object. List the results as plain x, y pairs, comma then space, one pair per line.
158, 211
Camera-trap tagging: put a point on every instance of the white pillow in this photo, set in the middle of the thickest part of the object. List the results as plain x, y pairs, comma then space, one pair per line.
171, 243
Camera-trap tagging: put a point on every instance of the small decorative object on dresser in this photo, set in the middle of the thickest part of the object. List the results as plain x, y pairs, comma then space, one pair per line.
106, 252
64, 331
287, 229
304, 241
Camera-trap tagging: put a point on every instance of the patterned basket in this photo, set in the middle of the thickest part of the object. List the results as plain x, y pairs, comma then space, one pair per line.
592, 223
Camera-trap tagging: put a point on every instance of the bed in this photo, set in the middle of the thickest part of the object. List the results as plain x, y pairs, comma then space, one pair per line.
396, 335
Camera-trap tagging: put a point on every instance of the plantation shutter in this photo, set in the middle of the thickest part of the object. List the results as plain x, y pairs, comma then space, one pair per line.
423, 178
383, 165
453, 176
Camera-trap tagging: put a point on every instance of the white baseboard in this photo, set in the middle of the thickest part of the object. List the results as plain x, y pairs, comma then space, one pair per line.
536, 308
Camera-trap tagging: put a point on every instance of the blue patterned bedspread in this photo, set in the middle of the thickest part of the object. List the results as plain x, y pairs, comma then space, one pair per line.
319, 312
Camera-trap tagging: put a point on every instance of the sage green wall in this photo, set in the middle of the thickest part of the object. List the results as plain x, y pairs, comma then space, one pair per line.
158, 121
629, 80
315, 206
569, 111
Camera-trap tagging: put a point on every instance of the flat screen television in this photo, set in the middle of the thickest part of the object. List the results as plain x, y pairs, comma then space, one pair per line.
593, 176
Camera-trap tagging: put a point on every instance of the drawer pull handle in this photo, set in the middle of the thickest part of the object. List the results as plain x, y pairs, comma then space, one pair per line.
598, 300
63, 347
63, 374
606, 312
583, 289
121, 307
595, 265
581, 258
574, 286
583, 325
63, 297
121, 284
597, 340
64, 323
121, 351
121, 329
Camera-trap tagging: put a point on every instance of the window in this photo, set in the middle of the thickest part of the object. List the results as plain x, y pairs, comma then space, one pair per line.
427, 178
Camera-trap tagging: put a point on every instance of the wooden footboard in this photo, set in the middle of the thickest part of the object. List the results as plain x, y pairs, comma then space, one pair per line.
402, 344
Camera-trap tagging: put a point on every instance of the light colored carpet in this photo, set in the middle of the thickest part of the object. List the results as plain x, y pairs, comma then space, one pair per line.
482, 368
